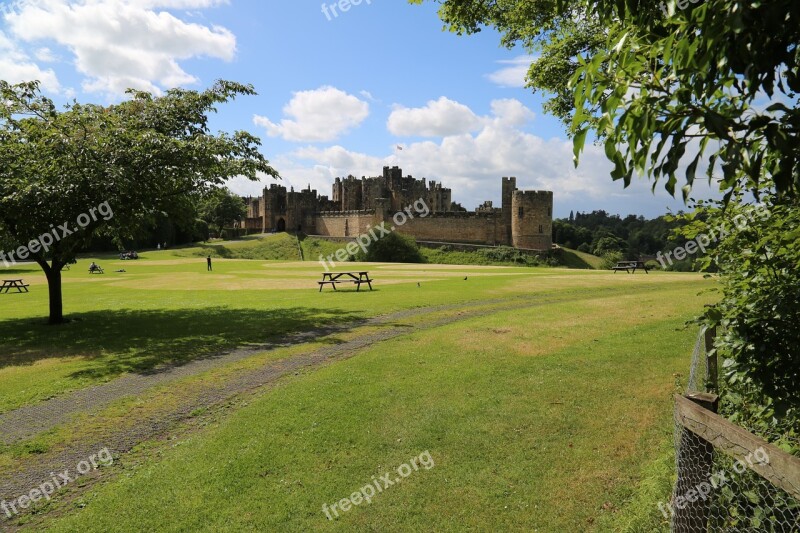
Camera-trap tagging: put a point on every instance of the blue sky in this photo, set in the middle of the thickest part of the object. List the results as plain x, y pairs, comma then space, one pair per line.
337, 93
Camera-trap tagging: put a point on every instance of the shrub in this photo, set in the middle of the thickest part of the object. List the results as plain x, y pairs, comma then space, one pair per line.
507, 254
610, 259
758, 313
393, 248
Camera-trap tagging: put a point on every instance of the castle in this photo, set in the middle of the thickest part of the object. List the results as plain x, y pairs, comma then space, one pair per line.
525, 219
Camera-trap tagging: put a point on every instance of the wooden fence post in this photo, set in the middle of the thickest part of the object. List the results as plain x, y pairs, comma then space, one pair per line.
712, 371
695, 459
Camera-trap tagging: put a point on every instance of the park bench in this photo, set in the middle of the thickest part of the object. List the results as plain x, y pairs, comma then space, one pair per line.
334, 278
97, 270
630, 267
18, 284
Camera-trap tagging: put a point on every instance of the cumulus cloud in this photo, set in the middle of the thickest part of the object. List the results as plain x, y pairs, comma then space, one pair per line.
438, 118
121, 44
512, 75
319, 115
511, 112
16, 66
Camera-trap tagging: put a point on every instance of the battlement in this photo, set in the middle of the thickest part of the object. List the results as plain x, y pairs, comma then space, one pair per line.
363, 212
544, 195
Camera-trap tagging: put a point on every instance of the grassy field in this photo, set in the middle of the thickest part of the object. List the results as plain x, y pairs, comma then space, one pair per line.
548, 411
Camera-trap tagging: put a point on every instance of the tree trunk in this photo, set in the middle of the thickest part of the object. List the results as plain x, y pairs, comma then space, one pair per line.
53, 274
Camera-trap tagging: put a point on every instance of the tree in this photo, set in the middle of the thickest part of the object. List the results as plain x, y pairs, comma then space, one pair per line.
393, 248
607, 245
88, 170
222, 207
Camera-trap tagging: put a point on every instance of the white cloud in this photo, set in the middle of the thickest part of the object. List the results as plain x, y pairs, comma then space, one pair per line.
512, 112
514, 74
439, 118
367, 95
16, 66
119, 44
320, 115
45, 55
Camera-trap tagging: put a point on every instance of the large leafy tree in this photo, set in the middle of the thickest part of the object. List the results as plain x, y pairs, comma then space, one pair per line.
92, 169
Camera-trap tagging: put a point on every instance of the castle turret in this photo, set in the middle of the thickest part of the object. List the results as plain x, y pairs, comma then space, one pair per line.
532, 219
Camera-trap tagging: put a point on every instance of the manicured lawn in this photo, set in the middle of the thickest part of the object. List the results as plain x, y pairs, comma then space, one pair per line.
546, 417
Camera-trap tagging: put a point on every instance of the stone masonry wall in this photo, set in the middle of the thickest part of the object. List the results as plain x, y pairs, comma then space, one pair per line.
473, 229
346, 224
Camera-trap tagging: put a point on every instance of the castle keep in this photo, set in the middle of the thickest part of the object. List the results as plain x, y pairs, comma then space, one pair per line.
524, 220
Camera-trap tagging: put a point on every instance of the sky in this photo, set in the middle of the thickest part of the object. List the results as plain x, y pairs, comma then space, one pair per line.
339, 92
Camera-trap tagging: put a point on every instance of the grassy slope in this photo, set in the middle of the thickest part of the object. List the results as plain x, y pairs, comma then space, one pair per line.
575, 259
284, 247
538, 419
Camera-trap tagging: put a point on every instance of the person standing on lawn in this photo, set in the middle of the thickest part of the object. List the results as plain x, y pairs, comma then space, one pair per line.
208, 261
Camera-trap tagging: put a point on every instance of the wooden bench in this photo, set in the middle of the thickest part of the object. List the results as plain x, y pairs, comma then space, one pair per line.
18, 284
334, 278
630, 267
97, 270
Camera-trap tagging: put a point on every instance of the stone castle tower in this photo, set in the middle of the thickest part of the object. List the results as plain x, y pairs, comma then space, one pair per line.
532, 219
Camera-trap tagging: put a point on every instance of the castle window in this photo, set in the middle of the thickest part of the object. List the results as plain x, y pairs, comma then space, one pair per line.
549, 211
541, 228
521, 211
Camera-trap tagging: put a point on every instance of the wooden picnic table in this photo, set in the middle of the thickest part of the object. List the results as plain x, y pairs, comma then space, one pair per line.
334, 278
18, 284
630, 267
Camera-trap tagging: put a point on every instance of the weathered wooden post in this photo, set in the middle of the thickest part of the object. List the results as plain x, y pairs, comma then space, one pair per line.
690, 501
712, 371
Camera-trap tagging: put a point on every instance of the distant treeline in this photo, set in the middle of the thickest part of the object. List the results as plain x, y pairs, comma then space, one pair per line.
196, 218
603, 234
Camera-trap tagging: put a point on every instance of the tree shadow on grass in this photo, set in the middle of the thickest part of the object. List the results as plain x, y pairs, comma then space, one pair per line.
119, 341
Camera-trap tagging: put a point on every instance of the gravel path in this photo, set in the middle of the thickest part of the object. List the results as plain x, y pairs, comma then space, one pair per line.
29, 421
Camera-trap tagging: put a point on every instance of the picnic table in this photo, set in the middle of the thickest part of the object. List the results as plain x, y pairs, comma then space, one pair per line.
18, 284
630, 267
334, 278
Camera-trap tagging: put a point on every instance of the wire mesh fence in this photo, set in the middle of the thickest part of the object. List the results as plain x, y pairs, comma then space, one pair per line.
728, 479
